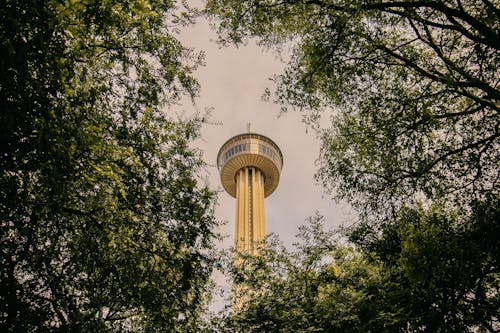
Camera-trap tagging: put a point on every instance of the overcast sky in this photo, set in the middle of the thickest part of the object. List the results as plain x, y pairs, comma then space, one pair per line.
232, 83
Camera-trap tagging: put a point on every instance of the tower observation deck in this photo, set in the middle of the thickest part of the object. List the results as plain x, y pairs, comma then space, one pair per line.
250, 166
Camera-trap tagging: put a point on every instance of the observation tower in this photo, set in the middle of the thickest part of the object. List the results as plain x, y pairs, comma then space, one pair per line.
249, 166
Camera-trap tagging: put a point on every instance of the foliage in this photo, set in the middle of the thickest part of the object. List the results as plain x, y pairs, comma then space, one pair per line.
449, 267
452, 268
104, 224
416, 286
321, 286
412, 87
412, 90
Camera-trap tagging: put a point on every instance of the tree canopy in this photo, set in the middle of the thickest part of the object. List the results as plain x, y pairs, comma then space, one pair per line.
411, 86
411, 92
430, 275
105, 225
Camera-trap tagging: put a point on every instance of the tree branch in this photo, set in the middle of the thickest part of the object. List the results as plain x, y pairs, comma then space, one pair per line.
454, 27
439, 77
441, 158
450, 13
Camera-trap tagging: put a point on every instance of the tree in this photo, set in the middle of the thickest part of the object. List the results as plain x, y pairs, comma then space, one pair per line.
451, 268
439, 277
448, 269
412, 91
321, 286
412, 87
105, 225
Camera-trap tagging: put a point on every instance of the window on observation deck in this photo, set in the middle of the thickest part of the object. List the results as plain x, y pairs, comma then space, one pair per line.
235, 150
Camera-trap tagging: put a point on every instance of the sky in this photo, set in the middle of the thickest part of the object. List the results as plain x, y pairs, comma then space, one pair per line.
232, 84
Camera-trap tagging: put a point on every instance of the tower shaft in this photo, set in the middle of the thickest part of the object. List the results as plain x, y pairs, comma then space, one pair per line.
250, 217
250, 166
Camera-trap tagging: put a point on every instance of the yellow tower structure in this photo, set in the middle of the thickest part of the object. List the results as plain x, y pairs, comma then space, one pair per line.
250, 166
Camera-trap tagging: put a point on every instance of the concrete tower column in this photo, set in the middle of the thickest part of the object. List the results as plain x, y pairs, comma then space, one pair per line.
250, 218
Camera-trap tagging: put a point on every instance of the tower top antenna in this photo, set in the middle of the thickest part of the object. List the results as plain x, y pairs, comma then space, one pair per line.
248, 127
